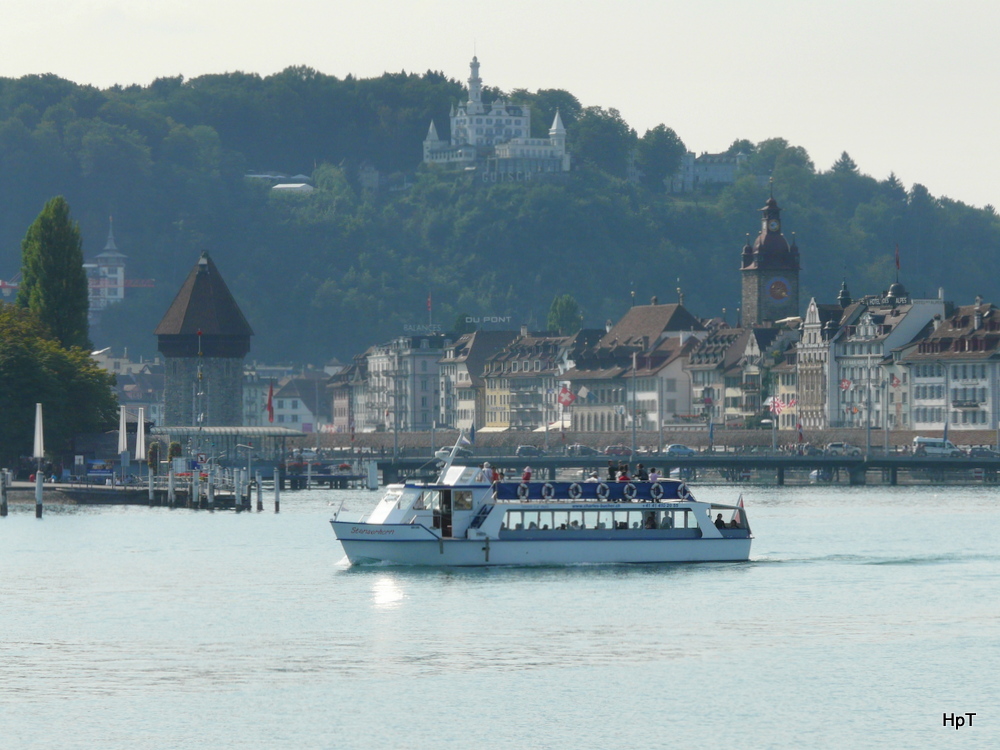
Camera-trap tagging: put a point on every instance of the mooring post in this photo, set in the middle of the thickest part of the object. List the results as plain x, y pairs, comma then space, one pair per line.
260, 494
210, 488
149, 470
196, 487
39, 478
171, 488
781, 476
277, 490
3, 493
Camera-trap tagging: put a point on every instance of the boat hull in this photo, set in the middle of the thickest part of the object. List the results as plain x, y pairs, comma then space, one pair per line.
410, 545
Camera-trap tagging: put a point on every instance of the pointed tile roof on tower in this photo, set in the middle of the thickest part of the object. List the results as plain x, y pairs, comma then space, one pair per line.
557, 124
204, 303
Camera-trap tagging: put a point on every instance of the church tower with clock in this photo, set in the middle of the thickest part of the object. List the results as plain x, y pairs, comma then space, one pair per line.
770, 270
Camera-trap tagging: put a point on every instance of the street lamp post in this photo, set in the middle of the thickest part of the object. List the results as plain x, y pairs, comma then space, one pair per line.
634, 412
249, 464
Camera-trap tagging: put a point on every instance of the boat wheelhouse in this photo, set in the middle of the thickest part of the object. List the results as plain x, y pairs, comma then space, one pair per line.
464, 519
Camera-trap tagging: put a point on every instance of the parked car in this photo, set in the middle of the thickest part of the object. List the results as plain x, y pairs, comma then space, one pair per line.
983, 452
842, 449
680, 450
578, 449
529, 451
617, 450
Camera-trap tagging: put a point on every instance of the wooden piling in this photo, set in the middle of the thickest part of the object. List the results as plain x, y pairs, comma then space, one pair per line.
260, 494
277, 490
39, 478
3, 493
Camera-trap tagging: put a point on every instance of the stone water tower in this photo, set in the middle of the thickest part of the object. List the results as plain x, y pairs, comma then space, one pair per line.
204, 339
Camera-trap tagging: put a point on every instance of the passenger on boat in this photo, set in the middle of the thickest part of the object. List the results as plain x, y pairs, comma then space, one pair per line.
526, 476
651, 521
719, 523
641, 474
667, 522
654, 475
612, 471
593, 477
623, 474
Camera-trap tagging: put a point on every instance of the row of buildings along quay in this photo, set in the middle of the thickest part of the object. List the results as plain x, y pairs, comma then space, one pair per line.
881, 361
884, 360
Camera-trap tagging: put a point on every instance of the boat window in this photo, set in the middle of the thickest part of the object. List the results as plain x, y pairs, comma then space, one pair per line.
418, 504
431, 499
560, 519
531, 519
461, 500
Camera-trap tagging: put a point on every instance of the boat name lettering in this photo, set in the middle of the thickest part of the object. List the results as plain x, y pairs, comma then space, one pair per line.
379, 532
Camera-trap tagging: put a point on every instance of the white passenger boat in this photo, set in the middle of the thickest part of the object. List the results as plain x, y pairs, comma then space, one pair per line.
464, 519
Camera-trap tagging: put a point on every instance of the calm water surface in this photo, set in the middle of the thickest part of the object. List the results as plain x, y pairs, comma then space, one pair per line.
864, 614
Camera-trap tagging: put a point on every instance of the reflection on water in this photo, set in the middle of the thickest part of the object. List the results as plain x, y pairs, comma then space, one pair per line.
386, 593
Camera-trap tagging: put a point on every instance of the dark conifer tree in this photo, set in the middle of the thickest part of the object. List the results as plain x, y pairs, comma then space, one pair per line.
53, 281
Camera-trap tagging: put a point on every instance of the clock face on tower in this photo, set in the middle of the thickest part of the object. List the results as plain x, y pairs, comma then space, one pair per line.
774, 225
779, 290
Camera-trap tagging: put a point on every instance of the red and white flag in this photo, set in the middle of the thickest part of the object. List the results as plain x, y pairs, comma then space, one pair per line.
270, 402
798, 427
896, 382
777, 405
566, 396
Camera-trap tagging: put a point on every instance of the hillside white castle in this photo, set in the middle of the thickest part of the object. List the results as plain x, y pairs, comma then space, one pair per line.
496, 140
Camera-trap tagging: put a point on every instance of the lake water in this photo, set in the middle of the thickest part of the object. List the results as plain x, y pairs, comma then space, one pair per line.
863, 616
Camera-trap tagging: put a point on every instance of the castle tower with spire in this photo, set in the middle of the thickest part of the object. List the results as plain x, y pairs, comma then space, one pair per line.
770, 270
204, 339
495, 139
105, 277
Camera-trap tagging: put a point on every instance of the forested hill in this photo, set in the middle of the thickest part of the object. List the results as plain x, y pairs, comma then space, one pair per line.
331, 273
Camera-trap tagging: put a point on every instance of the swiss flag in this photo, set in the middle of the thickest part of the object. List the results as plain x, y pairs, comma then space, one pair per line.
566, 396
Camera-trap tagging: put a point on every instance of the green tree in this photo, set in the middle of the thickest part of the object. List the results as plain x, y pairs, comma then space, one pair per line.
659, 156
845, 164
564, 315
53, 282
603, 139
77, 395
463, 324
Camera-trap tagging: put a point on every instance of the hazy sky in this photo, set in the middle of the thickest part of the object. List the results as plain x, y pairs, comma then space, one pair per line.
909, 87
